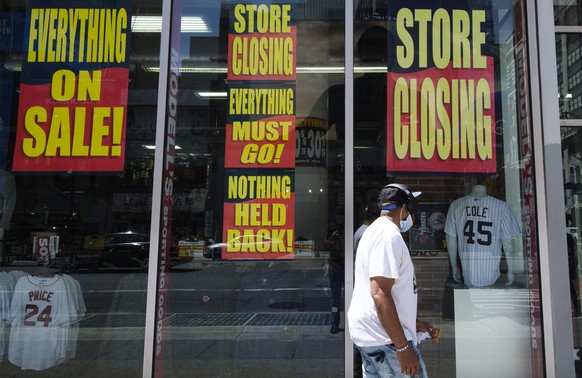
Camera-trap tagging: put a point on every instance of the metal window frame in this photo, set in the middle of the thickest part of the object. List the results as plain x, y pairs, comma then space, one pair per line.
555, 297
349, 181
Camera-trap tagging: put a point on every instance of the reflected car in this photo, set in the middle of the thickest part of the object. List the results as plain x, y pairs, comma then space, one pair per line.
128, 250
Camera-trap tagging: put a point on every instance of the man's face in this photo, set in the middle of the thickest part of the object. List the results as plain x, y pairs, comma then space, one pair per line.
404, 213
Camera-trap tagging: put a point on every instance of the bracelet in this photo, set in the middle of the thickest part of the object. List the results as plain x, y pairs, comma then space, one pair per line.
404, 348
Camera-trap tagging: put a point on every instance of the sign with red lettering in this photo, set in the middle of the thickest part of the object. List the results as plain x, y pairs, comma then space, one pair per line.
262, 42
73, 91
166, 206
45, 247
259, 215
528, 191
260, 141
440, 91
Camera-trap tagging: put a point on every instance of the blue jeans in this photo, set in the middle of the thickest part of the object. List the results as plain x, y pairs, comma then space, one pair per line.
381, 361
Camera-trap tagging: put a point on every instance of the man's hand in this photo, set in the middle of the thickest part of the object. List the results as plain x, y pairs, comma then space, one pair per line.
381, 291
434, 332
408, 362
422, 326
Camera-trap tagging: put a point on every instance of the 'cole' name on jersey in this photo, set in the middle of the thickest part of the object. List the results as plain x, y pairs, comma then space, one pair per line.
40, 295
476, 211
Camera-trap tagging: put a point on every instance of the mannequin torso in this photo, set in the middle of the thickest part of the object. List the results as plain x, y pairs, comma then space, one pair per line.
476, 227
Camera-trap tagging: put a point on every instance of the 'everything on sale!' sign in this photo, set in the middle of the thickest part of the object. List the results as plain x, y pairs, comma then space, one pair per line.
73, 92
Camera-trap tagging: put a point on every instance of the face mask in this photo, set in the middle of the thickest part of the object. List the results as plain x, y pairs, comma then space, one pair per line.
406, 224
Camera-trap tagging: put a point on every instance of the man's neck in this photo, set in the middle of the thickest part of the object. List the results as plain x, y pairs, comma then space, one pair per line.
393, 216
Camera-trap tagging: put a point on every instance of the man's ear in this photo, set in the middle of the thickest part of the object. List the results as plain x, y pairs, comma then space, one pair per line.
405, 208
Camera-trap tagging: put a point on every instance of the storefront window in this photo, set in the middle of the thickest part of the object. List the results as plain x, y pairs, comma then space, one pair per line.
441, 105
244, 170
78, 117
259, 170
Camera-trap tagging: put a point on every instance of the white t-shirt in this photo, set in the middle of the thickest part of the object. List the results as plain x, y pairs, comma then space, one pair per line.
382, 253
41, 312
358, 235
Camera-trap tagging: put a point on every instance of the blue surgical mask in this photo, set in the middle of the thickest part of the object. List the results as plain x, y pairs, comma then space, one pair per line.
406, 224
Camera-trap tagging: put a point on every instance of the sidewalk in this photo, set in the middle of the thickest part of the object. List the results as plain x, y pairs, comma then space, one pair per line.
263, 345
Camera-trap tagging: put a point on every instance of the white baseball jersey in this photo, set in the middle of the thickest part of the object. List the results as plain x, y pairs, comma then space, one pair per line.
6, 289
76, 295
480, 224
7, 283
41, 311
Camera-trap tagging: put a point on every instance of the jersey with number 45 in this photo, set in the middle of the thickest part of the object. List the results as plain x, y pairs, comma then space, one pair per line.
480, 224
41, 311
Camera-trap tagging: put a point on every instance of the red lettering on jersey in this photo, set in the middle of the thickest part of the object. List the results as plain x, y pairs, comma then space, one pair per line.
40, 295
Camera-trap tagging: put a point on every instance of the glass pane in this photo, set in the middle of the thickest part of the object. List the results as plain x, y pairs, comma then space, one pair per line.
568, 56
437, 108
259, 179
572, 163
567, 12
75, 186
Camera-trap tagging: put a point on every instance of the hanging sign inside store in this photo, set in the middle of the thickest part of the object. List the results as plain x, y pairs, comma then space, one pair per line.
259, 214
45, 247
310, 146
73, 93
440, 89
259, 204
262, 136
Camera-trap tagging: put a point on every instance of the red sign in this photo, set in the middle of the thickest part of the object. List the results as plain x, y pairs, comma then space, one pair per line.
260, 141
264, 143
441, 104
73, 94
262, 42
260, 228
45, 247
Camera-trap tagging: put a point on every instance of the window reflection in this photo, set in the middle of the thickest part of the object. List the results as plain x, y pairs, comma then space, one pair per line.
567, 12
569, 64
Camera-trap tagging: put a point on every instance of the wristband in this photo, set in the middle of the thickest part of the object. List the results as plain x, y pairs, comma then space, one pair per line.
403, 349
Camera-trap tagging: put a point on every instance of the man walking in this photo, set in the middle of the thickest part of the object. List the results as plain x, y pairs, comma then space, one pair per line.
382, 314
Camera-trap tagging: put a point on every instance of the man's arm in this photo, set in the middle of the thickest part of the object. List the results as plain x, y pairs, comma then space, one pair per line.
381, 290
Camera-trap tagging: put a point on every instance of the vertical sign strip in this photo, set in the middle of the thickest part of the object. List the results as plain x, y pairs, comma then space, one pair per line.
440, 89
259, 203
167, 190
526, 158
73, 92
